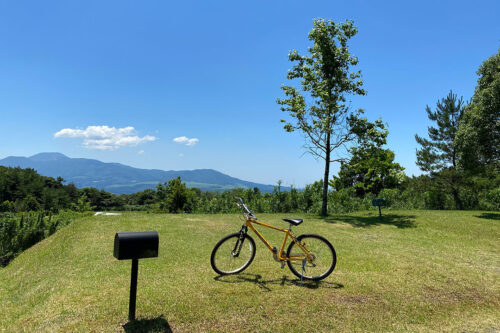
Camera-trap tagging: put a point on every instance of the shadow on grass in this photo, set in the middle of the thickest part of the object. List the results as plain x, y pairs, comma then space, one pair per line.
400, 221
284, 281
489, 216
156, 325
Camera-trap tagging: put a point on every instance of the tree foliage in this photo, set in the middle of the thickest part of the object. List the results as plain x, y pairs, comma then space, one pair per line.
23, 190
320, 109
174, 196
439, 151
438, 154
26, 190
478, 138
371, 168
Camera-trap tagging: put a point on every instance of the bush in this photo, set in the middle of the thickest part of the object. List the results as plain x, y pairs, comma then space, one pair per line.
7, 206
490, 200
346, 201
19, 232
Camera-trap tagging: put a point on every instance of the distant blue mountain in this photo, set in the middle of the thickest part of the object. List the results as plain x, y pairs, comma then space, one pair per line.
118, 178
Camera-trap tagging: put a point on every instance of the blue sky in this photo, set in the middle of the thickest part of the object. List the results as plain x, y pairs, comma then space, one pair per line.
208, 73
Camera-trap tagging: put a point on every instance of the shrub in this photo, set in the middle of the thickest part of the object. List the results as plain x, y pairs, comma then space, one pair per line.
7, 206
19, 232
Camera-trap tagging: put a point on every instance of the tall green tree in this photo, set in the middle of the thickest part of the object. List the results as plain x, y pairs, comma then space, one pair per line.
173, 195
438, 155
370, 168
478, 137
319, 108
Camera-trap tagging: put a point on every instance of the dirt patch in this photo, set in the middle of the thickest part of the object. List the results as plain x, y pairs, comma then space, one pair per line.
434, 295
216, 224
195, 219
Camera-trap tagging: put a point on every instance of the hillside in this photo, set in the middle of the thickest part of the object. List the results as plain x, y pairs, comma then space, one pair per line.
118, 178
412, 271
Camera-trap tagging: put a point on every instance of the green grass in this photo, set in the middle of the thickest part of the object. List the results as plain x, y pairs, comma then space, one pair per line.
412, 271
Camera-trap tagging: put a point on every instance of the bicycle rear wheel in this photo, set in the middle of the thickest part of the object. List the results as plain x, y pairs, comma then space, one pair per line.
232, 255
321, 262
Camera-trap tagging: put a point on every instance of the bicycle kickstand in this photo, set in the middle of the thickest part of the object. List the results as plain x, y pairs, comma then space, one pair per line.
303, 269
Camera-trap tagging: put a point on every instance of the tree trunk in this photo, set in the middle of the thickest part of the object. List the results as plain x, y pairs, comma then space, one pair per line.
455, 187
456, 197
324, 205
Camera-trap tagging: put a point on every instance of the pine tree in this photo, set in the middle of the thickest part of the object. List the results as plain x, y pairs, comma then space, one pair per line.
438, 154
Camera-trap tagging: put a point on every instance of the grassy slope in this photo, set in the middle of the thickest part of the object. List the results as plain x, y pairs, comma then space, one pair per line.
412, 271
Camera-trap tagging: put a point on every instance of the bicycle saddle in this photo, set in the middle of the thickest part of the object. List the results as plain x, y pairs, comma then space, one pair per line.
293, 221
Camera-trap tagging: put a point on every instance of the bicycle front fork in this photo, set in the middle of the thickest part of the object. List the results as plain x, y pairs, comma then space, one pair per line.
239, 242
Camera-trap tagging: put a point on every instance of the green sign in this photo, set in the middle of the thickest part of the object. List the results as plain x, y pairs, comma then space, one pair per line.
379, 202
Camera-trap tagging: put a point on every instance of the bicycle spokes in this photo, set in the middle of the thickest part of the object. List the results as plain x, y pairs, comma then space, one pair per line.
232, 255
312, 259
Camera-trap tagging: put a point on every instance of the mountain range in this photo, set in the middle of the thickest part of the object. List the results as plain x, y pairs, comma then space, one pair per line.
119, 179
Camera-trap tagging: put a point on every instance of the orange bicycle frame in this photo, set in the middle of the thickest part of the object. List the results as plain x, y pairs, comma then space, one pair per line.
288, 233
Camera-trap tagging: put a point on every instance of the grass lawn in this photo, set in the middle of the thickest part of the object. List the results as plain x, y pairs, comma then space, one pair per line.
411, 271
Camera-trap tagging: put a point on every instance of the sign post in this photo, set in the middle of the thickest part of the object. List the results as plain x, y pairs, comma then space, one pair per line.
379, 202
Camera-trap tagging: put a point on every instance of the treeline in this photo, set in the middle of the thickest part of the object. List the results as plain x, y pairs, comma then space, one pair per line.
411, 193
25, 190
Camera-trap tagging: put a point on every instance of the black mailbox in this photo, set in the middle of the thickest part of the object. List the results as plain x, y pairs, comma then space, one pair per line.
136, 245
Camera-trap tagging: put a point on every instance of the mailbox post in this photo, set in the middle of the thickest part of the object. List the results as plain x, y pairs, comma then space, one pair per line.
135, 246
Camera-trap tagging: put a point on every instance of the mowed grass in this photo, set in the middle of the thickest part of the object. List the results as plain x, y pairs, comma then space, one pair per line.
411, 271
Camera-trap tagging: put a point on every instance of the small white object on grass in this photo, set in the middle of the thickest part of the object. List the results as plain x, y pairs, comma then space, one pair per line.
107, 214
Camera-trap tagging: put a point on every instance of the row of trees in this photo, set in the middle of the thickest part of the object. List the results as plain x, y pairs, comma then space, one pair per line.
370, 179
26, 190
410, 193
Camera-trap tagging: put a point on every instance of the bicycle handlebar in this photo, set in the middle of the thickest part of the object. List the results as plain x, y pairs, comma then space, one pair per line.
241, 204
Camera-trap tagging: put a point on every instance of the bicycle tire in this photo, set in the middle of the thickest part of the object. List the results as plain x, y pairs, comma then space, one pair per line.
322, 249
222, 255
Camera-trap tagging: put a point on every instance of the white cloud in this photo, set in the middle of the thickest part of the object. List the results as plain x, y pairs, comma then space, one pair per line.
105, 137
186, 141
140, 152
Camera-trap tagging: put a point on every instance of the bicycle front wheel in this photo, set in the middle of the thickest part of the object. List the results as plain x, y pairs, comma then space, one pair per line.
318, 264
232, 255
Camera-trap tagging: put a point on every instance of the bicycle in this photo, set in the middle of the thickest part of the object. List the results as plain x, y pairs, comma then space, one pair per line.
309, 256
